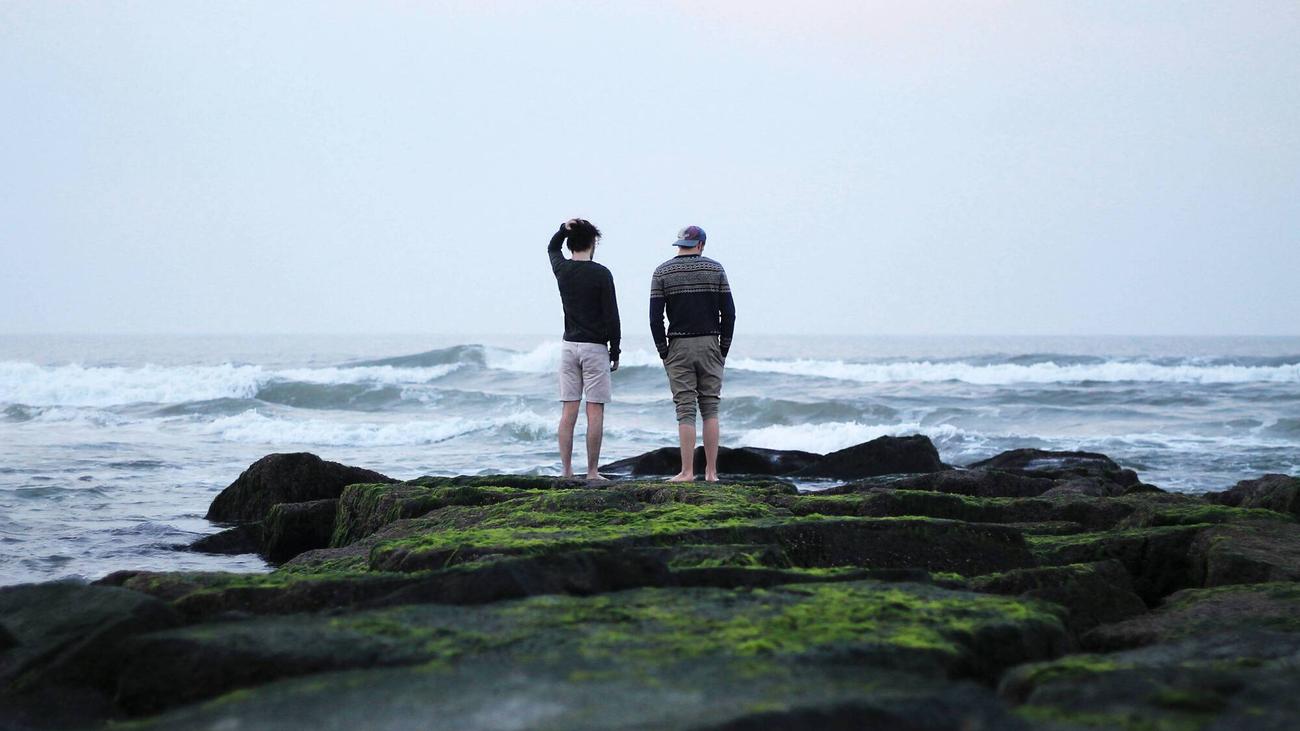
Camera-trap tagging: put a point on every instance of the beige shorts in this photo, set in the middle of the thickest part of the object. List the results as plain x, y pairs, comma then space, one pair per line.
694, 368
584, 373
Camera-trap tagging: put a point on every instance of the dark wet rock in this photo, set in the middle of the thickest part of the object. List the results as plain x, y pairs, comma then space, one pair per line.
1280, 493
575, 572
738, 461
7, 640
976, 483
1201, 612
477, 602
1234, 680
68, 634
1151, 510
1070, 466
285, 478
1246, 553
883, 456
246, 538
1078, 487
1095, 593
291, 528
168, 669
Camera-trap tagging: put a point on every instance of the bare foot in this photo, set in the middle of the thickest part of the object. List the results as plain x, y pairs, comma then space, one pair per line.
566, 475
596, 477
710, 478
682, 477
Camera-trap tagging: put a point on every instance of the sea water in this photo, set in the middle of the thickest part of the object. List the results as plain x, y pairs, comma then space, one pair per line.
111, 448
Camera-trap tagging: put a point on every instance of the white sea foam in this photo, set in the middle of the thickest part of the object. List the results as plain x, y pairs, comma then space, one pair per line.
1008, 373
76, 385
545, 358
832, 436
252, 427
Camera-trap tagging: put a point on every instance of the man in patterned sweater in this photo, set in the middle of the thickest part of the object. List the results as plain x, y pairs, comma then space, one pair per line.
701, 319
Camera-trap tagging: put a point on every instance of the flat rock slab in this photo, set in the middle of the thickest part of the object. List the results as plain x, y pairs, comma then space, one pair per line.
1233, 680
1200, 612
645, 658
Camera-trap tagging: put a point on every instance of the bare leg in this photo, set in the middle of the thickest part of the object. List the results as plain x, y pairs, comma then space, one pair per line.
595, 433
568, 419
711, 450
686, 436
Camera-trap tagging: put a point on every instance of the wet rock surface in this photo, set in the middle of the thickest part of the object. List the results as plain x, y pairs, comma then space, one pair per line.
1037, 590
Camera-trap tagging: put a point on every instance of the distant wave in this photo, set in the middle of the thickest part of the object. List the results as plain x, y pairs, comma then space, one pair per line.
1012, 373
76, 385
373, 385
256, 428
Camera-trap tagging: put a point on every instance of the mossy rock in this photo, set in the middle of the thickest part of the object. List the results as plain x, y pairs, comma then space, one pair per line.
1094, 593
974, 483
1158, 559
1085, 512
203, 595
366, 508
1240, 680
1280, 493
1247, 553
1200, 612
795, 647
1174, 509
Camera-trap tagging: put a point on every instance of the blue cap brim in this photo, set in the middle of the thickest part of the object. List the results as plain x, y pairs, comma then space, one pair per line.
687, 243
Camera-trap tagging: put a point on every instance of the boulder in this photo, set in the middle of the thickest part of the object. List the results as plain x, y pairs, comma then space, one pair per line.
6, 640
291, 528
68, 634
1246, 553
1099, 468
883, 456
246, 538
1095, 593
1280, 493
738, 461
285, 478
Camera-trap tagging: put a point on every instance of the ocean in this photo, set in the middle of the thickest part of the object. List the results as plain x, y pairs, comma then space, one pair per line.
111, 447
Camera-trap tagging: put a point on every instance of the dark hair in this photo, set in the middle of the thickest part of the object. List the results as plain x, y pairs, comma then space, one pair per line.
583, 235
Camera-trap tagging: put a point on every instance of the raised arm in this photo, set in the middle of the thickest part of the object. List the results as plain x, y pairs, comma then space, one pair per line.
553, 249
727, 311
657, 304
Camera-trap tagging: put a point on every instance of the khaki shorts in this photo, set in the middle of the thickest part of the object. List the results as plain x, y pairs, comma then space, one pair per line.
695, 375
584, 372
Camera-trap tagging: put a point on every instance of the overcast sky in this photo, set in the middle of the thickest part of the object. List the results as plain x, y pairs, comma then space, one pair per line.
872, 168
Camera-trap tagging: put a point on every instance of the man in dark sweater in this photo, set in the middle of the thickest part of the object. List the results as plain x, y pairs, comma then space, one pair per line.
591, 338
694, 291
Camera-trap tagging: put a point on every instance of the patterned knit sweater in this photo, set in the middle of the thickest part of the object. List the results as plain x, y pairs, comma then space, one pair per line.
695, 292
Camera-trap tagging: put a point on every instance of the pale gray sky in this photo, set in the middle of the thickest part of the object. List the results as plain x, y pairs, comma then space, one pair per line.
861, 167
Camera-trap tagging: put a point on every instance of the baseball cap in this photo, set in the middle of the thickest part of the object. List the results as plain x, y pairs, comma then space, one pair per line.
690, 237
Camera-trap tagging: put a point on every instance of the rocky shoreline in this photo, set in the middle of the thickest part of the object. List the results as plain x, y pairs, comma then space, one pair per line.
1035, 590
